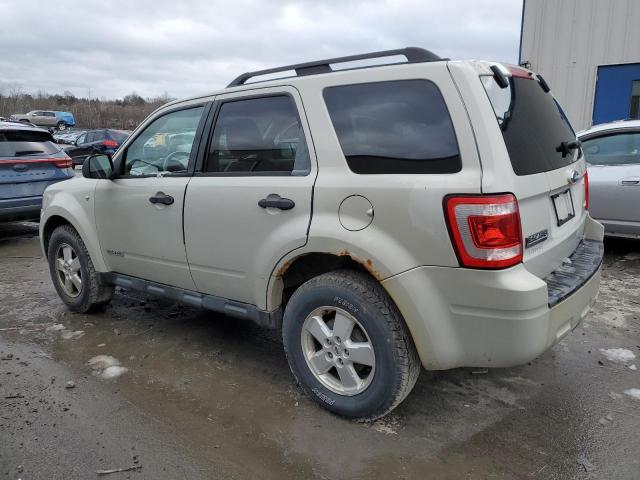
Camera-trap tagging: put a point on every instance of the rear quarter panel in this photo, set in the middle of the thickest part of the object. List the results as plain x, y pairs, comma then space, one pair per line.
408, 227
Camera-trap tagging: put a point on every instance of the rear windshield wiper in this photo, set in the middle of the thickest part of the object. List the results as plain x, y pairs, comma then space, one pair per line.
566, 147
27, 152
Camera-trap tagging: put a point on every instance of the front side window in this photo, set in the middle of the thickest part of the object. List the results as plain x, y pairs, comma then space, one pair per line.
396, 127
613, 149
165, 145
258, 135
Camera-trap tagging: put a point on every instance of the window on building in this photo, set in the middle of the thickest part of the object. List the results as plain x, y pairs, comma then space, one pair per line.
634, 112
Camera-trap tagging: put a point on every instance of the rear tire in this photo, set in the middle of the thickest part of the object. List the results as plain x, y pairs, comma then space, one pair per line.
62, 126
74, 277
335, 371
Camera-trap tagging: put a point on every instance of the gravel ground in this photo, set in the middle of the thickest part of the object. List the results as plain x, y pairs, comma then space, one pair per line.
172, 392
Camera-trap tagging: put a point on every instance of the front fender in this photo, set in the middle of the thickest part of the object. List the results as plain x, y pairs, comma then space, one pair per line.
76, 206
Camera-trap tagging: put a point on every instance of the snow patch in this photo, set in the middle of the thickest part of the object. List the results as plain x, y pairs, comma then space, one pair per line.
106, 366
618, 355
56, 327
633, 393
633, 367
70, 335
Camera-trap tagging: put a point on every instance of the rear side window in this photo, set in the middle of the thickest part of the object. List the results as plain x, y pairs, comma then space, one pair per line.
394, 127
258, 135
615, 149
16, 143
532, 123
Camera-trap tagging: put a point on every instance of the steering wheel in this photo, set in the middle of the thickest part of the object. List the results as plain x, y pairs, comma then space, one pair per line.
177, 159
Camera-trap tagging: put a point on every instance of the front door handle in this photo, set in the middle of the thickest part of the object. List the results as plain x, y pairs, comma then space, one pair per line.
276, 201
162, 198
630, 181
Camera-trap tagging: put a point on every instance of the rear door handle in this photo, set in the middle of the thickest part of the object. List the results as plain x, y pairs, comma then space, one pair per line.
630, 181
162, 198
276, 201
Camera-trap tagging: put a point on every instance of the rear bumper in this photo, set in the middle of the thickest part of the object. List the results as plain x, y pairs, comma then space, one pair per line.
477, 318
25, 208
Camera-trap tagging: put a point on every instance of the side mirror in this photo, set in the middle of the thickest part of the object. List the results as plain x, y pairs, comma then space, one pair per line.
98, 167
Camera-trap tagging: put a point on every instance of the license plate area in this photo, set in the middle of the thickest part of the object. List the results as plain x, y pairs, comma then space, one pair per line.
563, 206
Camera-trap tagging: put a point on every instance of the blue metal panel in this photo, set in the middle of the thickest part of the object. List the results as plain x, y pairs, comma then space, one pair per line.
613, 92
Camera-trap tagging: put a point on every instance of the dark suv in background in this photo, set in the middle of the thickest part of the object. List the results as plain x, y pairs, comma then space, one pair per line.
105, 141
30, 161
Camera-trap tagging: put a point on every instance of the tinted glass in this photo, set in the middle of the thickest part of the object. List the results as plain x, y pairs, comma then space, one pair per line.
258, 135
15, 143
616, 149
118, 136
165, 145
393, 127
532, 124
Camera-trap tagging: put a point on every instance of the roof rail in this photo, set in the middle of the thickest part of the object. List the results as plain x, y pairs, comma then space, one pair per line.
412, 54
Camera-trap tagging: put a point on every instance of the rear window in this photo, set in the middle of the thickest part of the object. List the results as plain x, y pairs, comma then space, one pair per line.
118, 136
532, 123
16, 143
613, 149
394, 127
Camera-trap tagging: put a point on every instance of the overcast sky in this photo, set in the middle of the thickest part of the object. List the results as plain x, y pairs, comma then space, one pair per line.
110, 48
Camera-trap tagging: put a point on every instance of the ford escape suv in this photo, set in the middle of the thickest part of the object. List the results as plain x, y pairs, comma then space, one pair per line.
424, 212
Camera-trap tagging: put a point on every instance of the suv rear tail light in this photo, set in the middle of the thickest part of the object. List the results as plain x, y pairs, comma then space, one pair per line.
60, 162
110, 143
586, 190
485, 230
63, 162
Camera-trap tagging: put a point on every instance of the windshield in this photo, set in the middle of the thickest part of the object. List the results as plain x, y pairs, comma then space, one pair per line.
533, 125
613, 149
16, 143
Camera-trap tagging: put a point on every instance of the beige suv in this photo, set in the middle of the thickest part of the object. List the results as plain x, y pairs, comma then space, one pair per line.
420, 213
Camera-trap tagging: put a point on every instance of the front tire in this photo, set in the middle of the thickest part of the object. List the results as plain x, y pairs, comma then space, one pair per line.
79, 286
348, 346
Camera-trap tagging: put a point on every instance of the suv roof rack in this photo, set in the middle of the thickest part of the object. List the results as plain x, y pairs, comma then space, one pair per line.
412, 54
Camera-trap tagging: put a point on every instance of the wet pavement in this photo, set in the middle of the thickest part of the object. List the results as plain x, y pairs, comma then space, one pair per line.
196, 395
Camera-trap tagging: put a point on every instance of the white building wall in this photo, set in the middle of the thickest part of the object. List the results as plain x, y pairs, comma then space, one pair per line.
566, 40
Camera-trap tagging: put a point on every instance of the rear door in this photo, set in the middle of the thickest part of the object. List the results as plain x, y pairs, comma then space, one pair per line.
614, 179
544, 168
251, 202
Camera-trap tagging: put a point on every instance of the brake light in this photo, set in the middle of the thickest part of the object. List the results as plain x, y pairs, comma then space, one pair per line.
63, 162
485, 230
60, 162
586, 190
110, 143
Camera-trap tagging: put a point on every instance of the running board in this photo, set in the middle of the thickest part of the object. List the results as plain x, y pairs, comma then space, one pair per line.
222, 305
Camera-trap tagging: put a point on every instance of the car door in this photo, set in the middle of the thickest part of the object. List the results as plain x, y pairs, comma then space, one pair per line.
49, 119
37, 118
614, 180
139, 213
250, 203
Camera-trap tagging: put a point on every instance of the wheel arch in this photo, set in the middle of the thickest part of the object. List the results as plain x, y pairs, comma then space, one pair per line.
55, 216
294, 271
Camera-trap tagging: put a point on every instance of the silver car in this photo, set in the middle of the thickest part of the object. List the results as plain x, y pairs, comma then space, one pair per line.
612, 152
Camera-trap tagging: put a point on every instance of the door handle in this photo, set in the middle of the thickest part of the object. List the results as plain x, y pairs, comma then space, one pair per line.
630, 181
162, 198
276, 201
